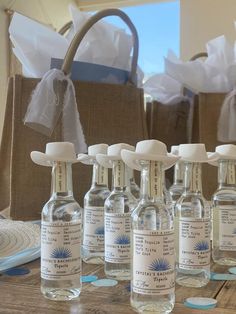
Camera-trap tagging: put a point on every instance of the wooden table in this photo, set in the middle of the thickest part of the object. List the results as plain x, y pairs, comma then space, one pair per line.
21, 294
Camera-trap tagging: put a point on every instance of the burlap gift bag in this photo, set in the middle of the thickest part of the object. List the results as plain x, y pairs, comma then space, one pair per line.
109, 113
207, 109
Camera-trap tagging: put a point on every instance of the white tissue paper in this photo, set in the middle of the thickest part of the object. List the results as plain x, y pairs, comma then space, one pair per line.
164, 89
35, 44
214, 74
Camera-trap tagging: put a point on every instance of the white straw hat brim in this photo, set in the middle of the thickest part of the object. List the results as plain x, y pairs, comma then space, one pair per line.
211, 158
132, 159
106, 161
86, 159
43, 159
222, 157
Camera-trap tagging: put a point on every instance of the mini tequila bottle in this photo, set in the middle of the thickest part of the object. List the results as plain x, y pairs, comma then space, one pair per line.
153, 262
192, 220
177, 188
93, 215
132, 185
60, 226
224, 208
118, 208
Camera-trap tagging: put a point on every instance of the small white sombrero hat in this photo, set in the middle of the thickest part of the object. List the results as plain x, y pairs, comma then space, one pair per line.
55, 151
174, 150
93, 150
196, 153
150, 150
225, 152
113, 153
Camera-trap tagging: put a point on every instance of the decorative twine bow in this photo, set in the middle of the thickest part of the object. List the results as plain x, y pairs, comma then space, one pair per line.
54, 96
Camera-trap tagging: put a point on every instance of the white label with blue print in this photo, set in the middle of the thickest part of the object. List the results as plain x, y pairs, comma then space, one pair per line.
117, 238
93, 235
194, 243
60, 250
153, 262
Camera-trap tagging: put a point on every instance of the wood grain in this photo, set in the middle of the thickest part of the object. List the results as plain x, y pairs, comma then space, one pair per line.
21, 295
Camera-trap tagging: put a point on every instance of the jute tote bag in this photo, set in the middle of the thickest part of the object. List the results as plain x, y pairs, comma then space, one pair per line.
109, 114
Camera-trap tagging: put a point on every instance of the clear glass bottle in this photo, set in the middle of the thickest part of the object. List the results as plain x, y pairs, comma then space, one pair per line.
118, 207
167, 195
224, 215
61, 238
93, 216
192, 230
177, 188
132, 185
153, 264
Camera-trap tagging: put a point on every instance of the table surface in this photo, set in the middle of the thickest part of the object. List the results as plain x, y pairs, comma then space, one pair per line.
21, 294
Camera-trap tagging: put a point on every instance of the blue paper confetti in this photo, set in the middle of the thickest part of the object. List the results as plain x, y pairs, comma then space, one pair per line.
200, 303
88, 278
216, 276
232, 270
17, 271
105, 283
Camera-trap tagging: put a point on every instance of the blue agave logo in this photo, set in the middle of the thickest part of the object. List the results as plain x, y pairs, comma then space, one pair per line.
99, 230
61, 252
234, 231
201, 246
160, 264
122, 239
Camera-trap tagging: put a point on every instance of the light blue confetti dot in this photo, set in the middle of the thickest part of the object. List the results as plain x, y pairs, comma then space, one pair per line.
200, 303
88, 278
232, 270
105, 283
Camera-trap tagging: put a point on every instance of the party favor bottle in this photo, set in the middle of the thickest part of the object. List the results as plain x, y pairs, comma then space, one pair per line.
118, 208
177, 188
153, 257
132, 185
192, 221
224, 208
60, 227
93, 215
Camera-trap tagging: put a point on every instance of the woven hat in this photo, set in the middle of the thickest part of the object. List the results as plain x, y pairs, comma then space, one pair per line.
196, 153
225, 152
152, 150
113, 153
55, 151
88, 159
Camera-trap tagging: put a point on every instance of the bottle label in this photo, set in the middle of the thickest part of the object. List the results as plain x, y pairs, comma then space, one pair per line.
227, 229
153, 262
155, 178
196, 179
230, 173
102, 176
194, 243
117, 238
119, 174
93, 235
60, 250
60, 178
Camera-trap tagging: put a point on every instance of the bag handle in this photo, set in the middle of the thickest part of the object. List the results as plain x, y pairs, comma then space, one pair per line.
199, 55
67, 63
65, 28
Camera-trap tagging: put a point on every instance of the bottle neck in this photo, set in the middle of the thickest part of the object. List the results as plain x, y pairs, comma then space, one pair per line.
152, 181
178, 174
226, 174
100, 176
193, 178
62, 179
118, 175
